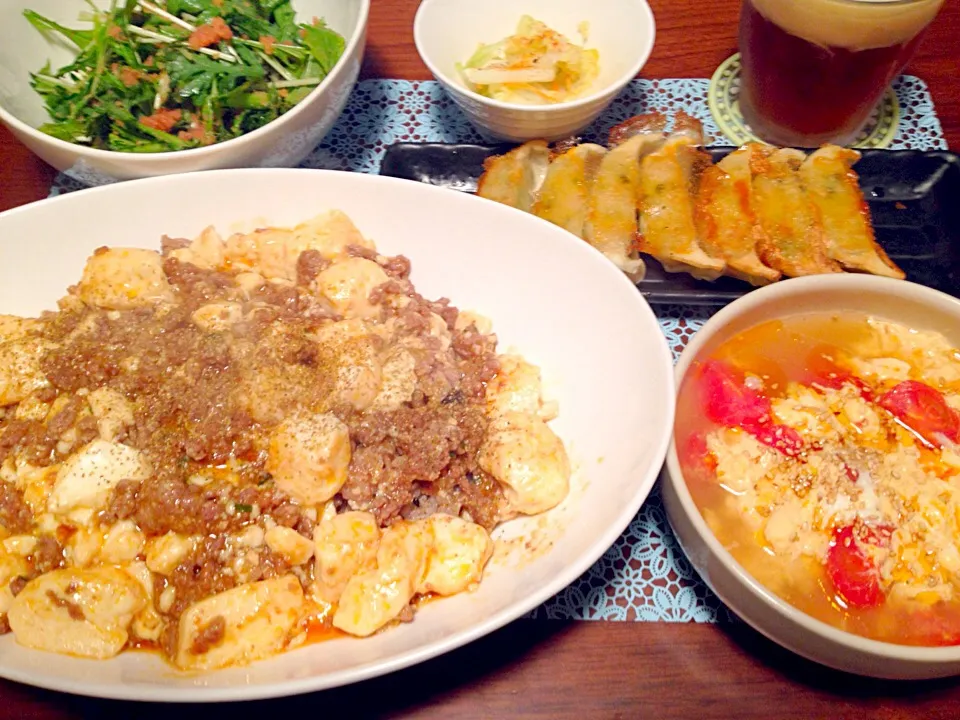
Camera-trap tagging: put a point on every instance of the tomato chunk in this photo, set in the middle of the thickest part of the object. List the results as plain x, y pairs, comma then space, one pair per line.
934, 629
853, 574
695, 456
924, 410
823, 371
729, 401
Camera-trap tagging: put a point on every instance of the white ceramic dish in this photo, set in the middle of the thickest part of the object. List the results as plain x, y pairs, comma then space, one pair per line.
904, 302
550, 296
447, 32
282, 143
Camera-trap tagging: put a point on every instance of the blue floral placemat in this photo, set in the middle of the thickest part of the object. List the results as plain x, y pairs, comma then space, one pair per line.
645, 575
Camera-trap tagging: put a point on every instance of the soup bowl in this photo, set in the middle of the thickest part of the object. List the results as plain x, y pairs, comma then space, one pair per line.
902, 302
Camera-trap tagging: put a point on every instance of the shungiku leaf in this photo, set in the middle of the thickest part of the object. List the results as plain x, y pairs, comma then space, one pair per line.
135, 62
324, 44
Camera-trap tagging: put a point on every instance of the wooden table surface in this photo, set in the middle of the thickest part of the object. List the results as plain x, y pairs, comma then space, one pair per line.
583, 670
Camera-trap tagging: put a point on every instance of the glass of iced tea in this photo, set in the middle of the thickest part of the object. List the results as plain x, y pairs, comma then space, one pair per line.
812, 71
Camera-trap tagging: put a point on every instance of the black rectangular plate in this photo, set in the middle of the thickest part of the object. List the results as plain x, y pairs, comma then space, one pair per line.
914, 200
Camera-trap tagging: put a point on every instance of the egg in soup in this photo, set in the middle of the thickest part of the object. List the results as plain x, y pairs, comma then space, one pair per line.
824, 453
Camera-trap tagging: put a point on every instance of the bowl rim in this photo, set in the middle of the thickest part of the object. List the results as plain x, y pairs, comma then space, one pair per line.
817, 284
596, 548
148, 159
606, 91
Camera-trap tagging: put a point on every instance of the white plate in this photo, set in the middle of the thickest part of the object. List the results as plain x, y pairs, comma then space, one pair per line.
550, 295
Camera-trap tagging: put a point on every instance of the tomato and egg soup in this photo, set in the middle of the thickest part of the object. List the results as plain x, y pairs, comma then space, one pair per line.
822, 451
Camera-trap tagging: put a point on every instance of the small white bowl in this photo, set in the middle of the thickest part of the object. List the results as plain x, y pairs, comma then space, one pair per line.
447, 32
899, 301
281, 143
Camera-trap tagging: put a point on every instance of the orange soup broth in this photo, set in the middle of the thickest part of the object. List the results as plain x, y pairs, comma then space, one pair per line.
778, 351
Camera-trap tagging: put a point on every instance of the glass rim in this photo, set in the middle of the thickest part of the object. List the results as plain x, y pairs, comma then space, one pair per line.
883, 2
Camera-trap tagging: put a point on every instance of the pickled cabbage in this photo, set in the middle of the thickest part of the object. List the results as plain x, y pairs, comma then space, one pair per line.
535, 66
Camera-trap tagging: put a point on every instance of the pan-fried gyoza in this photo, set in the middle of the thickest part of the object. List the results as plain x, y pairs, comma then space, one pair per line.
759, 214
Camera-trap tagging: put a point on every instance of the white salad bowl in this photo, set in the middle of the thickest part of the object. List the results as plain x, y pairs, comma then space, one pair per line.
284, 142
550, 296
447, 32
913, 305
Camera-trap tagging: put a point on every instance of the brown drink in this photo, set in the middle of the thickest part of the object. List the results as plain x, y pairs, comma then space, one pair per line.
813, 70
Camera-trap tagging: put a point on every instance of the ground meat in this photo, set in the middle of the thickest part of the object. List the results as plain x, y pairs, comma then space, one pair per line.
169, 504
123, 502
13, 435
65, 418
15, 515
415, 314
305, 526
46, 394
210, 636
310, 264
17, 585
47, 555
73, 610
165, 505
360, 251
403, 454
38, 446
271, 565
169, 244
286, 514
85, 361
30, 438
397, 267
196, 286
200, 575
87, 431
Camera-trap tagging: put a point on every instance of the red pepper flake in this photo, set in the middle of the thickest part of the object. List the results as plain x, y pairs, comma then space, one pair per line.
268, 42
851, 472
114, 31
209, 34
163, 119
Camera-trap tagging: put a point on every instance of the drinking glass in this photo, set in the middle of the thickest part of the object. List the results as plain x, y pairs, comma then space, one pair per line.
812, 71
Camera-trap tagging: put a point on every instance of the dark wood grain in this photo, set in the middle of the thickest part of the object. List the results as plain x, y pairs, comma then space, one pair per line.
587, 670
582, 670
